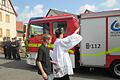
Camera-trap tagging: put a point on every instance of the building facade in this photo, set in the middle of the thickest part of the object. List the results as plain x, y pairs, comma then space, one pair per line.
7, 20
19, 29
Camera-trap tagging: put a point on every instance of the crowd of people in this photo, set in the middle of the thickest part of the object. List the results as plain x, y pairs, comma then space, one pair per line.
11, 49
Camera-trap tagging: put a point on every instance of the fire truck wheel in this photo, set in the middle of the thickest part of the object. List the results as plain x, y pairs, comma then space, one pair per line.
115, 69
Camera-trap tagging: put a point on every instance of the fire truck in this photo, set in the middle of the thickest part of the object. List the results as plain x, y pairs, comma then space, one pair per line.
100, 46
47, 25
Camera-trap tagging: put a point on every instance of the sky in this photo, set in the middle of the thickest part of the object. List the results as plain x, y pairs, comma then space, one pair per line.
37, 8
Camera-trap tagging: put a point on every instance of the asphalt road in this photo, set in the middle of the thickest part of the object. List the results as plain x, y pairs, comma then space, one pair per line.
19, 70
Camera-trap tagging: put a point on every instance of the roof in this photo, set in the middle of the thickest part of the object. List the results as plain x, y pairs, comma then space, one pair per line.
88, 11
101, 14
12, 7
59, 12
34, 18
51, 18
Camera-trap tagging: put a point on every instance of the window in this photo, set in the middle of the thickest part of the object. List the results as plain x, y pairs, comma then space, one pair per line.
0, 16
62, 25
3, 2
7, 32
0, 32
46, 28
7, 18
38, 29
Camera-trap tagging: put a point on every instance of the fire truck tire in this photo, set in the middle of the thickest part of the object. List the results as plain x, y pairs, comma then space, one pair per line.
115, 69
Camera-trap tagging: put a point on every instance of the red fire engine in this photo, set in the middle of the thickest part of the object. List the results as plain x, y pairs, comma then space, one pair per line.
100, 46
47, 25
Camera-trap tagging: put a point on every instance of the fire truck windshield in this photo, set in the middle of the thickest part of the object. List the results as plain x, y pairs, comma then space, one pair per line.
38, 29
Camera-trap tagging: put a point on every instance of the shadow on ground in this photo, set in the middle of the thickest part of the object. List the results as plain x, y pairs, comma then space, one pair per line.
17, 64
94, 74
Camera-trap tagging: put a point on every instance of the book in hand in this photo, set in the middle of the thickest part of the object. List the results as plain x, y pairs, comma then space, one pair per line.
57, 69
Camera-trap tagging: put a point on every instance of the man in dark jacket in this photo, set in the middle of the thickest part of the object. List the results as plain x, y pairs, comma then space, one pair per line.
15, 49
5, 49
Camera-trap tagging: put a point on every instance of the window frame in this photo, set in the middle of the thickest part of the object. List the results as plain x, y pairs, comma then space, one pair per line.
41, 25
7, 32
7, 18
1, 32
0, 16
3, 2
65, 31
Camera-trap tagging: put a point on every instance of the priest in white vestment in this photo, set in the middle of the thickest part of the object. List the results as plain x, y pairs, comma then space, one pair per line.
61, 56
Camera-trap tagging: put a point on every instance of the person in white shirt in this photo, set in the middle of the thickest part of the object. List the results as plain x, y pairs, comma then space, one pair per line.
61, 55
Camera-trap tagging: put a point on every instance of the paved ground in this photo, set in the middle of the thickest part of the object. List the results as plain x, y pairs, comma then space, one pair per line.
19, 70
